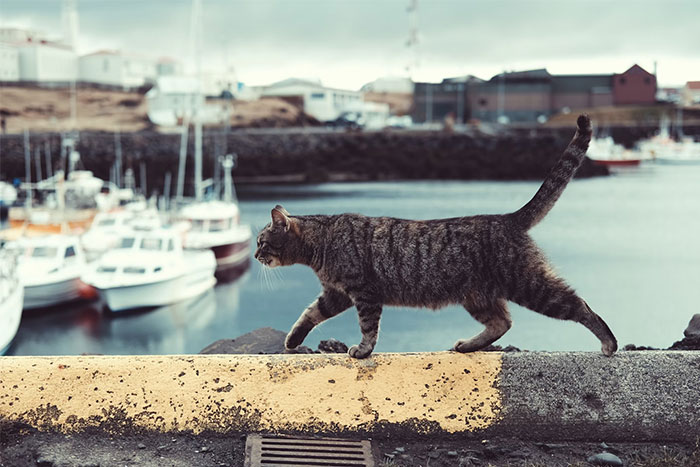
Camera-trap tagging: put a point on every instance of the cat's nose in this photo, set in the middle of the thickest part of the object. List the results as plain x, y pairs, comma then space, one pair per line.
257, 253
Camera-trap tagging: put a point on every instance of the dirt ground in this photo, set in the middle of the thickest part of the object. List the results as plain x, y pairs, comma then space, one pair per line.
22, 446
48, 110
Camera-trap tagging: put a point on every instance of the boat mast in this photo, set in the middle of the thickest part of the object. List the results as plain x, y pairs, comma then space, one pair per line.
197, 39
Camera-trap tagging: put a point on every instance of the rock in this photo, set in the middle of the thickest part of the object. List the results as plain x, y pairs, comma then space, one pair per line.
332, 346
400, 449
204, 449
693, 329
605, 458
688, 343
452, 453
260, 341
43, 462
141, 446
641, 347
434, 454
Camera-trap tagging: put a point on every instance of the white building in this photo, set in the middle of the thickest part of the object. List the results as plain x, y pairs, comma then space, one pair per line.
175, 98
115, 68
9, 62
390, 84
325, 104
46, 62
167, 66
14, 35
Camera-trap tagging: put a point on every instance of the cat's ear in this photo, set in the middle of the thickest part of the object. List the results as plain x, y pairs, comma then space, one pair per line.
282, 218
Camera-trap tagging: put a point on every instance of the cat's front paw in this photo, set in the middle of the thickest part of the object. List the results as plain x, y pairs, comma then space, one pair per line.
359, 352
294, 339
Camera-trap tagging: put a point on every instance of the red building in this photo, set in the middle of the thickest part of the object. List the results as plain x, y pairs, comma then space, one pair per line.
635, 86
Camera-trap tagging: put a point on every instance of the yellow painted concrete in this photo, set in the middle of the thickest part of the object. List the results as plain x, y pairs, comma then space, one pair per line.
433, 392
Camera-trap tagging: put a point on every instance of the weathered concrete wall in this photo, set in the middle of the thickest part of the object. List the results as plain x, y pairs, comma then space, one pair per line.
633, 396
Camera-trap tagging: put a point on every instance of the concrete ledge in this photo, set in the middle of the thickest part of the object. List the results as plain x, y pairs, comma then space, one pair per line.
640, 396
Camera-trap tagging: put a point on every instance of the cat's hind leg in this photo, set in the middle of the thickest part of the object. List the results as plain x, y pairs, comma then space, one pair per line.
491, 313
543, 292
330, 303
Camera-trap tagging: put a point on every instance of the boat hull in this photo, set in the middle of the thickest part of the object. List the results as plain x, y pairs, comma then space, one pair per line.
231, 255
10, 317
46, 295
618, 163
159, 293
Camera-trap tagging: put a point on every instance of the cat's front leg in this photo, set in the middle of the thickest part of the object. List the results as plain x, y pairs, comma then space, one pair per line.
330, 303
369, 315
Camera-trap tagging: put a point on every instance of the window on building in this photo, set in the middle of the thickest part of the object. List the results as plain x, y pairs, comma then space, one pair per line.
105, 65
623, 80
647, 80
318, 95
482, 102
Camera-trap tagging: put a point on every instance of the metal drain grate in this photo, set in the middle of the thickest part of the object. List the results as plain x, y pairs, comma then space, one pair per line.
271, 451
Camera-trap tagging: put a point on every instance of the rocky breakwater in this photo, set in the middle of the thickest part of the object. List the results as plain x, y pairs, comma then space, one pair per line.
318, 156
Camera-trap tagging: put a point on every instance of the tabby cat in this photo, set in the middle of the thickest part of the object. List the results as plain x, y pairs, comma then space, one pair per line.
479, 262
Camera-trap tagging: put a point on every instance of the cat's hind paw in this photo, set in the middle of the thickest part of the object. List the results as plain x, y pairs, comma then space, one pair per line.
359, 352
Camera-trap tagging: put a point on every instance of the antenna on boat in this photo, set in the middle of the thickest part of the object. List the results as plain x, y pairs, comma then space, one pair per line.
228, 162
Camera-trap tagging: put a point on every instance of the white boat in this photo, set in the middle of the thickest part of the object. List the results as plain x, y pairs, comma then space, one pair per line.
107, 228
50, 268
11, 296
8, 194
149, 269
604, 151
215, 225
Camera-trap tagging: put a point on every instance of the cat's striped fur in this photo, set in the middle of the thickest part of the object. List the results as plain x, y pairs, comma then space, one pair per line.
480, 262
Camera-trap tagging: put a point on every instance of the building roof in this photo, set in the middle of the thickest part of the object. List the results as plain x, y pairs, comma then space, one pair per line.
580, 83
538, 74
635, 69
693, 85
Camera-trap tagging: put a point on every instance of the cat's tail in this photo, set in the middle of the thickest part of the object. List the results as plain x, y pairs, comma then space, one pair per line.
534, 211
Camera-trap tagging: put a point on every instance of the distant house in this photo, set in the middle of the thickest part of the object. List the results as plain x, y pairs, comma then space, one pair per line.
519, 96
115, 68
173, 99
47, 63
581, 92
530, 95
389, 84
636, 86
323, 103
432, 102
9, 62
167, 66
691, 93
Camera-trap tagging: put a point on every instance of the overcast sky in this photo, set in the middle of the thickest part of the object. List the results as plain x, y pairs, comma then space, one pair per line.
347, 43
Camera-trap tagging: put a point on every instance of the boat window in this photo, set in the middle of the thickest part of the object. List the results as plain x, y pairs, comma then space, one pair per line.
171, 245
106, 269
43, 252
197, 225
151, 244
70, 252
127, 242
157, 269
217, 225
106, 222
132, 270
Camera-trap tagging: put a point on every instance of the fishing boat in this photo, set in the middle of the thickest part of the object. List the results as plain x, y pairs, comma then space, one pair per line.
11, 296
108, 227
215, 225
149, 269
50, 268
604, 151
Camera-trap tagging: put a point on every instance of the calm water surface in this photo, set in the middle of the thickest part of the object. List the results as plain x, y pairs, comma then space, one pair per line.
630, 245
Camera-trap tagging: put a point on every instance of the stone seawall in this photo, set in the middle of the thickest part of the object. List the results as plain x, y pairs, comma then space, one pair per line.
318, 156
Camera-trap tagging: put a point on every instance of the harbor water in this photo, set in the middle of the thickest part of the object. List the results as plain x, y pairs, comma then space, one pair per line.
628, 243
